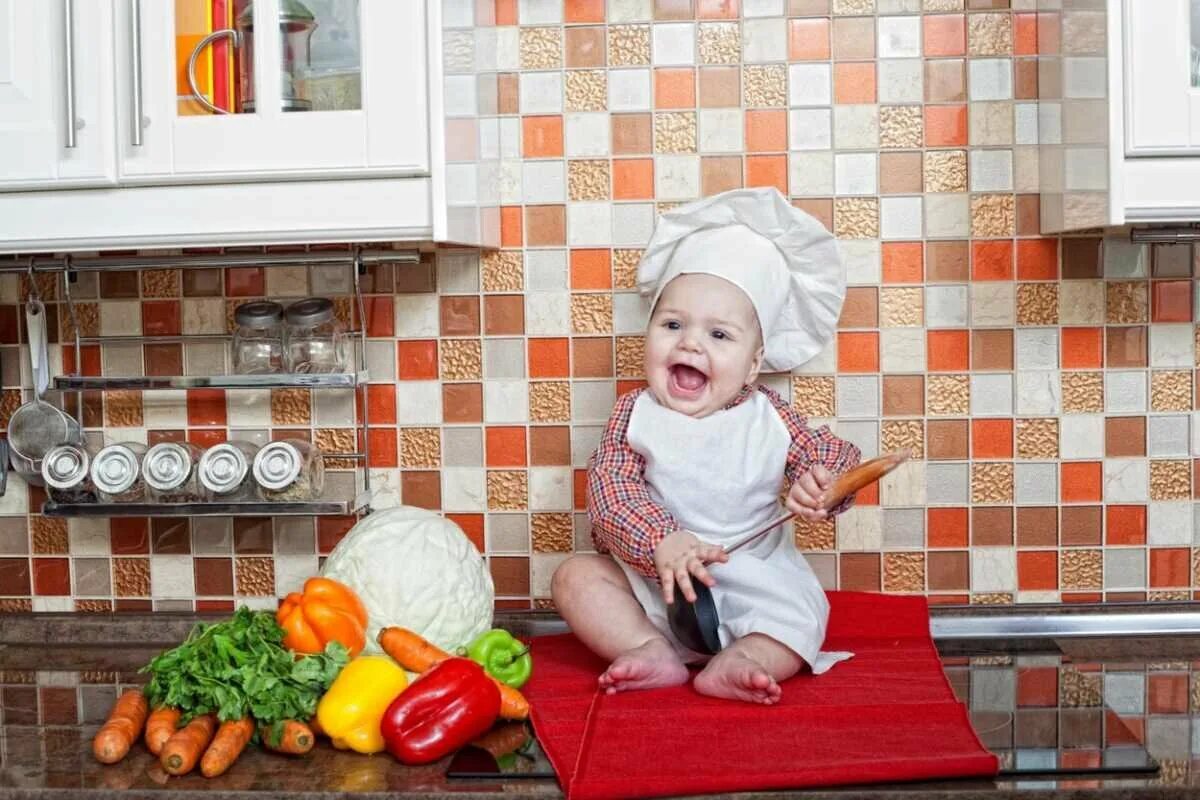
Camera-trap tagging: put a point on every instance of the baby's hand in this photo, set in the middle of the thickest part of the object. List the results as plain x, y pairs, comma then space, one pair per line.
804, 499
681, 555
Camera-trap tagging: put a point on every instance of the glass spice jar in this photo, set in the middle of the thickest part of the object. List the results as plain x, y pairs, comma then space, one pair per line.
117, 474
289, 471
258, 338
316, 339
170, 470
65, 471
224, 471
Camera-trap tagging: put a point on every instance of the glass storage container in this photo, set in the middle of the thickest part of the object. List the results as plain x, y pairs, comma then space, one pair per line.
224, 471
169, 469
65, 471
117, 473
316, 340
258, 338
289, 471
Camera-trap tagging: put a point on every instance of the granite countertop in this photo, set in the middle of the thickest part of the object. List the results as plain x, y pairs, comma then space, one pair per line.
1037, 704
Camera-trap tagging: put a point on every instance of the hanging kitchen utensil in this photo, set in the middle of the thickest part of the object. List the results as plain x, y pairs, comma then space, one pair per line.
696, 625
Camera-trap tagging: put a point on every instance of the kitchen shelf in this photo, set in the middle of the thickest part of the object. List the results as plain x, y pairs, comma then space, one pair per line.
340, 380
232, 509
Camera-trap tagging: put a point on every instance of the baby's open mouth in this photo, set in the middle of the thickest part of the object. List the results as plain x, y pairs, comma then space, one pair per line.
686, 381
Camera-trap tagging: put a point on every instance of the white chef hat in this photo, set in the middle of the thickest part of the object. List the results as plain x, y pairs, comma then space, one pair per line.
782, 258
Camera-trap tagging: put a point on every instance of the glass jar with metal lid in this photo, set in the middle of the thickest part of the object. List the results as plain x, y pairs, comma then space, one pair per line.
224, 471
117, 473
316, 339
65, 471
289, 471
258, 338
170, 473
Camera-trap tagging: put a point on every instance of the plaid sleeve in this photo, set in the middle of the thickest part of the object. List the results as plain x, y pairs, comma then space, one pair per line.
625, 520
811, 446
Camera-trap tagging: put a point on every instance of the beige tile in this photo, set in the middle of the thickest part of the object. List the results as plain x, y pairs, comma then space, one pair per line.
552, 533
850, 7
591, 313
1081, 569
1083, 392
993, 215
588, 180
291, 407
502, 271
1126, 302
628, 45
420, 447
507, 490
816, 535
904, 572
587, 90
992, 599
1171, 390
948, 395
49, 535
1037, 304
675, 132
765, 86
990, 34
900, 127
1171, 480
549, 401
161, 283
123, 409
900, 433
856, 217
990, 123
336, 440
813, 396
991, 483
1037, 438
1079, 689
254, 577
631, 356
541, 48
624, 265
461, 359
946, 170
131, 577
901, 307
942, 5
720, 43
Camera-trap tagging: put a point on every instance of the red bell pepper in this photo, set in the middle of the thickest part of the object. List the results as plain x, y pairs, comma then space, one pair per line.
446, 708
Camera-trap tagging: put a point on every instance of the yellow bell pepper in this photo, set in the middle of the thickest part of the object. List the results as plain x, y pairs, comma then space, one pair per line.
350, 711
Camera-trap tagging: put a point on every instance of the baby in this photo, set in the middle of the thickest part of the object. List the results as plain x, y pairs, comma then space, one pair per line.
698, 458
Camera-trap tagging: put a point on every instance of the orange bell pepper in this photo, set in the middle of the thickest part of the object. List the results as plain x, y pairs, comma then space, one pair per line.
326, 611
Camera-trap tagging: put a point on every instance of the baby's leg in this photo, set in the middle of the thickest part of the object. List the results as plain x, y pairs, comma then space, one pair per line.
749, 669
596, 600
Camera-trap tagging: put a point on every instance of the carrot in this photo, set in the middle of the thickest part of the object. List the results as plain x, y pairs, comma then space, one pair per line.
417, 654
162, 723
182, 751
297, 738
122, 728
227, 745
504, 739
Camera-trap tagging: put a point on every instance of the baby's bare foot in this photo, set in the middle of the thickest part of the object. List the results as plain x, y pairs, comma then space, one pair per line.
653, 664
736, 676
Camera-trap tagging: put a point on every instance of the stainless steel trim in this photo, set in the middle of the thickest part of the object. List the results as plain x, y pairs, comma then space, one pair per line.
267, 381
135, 54
216, 509
1064, 626
1165, 235
205, 261
69, 68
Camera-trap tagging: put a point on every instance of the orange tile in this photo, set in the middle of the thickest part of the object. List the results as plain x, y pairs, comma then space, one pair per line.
945, 35
1037, 259
1080, 482
1169, 567
868, 495
1025, 34
947, 527
504, 446
903, 262
418, 360
767, 171
580, 480
718, 9
472, 526
511, 234
584, 11
675, 88
992, 261
385, 452
808, 39
626, 386
542, 137
590, 269
206, 407
1124, 524
946, 126
766, 131
506, 12
546, 225
1082, 348
549, 358
1168, 692
1171, 301
858, 351
992, 438
1037, 687
633, 179
1037, 569
854, 82
948, 351
381, 402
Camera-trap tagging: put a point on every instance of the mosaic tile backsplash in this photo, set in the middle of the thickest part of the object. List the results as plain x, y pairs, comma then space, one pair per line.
1046, 383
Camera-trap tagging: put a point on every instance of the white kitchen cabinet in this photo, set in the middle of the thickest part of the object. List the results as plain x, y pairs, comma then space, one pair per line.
56, 101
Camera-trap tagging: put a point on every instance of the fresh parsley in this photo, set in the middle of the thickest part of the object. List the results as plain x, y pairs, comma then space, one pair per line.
240, 668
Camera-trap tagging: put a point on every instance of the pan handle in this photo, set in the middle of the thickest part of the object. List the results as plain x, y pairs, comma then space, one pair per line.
3, 466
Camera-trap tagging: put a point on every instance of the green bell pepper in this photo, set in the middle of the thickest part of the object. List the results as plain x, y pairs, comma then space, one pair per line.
503, 657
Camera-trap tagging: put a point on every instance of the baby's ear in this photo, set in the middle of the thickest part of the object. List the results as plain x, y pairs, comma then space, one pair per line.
755, 365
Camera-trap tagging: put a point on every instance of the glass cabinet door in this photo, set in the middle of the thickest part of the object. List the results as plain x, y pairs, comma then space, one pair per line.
264, 89
1162, 77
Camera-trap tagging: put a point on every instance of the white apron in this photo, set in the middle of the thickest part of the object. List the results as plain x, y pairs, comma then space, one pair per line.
720, 476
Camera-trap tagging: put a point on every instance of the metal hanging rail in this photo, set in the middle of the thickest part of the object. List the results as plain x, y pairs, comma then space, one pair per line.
72, 263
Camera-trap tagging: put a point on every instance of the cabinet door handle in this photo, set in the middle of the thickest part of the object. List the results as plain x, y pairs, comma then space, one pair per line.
69, 67
236, 41
135, 52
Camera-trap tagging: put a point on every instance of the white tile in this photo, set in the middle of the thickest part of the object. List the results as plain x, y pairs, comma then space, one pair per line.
381, 360
1035, 484
900, 218
948, 483
1081, 302
857, 396
589, 224
1125, 392
124, 317
1169, 524
1172, 345
419, 403
720, 130
762, 8
547, 313
172, 577
993, 569
464, 489
544, 270
335, 408
291, 571
1123, 258
1038, 392
629, 10
633, 223
630, 313
856, 173
1169, 436
862, 260
416, 315
991, 395
764, 40
1085, 78
902, 350
677, 177
898, 6
673, 43
899, 37
1126, 480
586, 134
503, 358
947, 216
904, 486
247, 408
1036, 348
1026, 169
457, 14
510, 137
550, 489
51, 605
88, 537
901, 81
385, 488
856, 127
864, 434
990, 78
541, 93
810, 174
809, 129
462, 97
1081, 436
823, 363
584, 441
592, 401
508, 48
544, 181
539, 12
810, 84
860, 528
1025, 117
1125, 693
505, 401
629, 90
945, 306
458, 271
993, 303
541, 572
991, 171
167, 409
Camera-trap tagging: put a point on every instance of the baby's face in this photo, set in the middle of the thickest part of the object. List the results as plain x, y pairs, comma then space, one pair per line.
702, 345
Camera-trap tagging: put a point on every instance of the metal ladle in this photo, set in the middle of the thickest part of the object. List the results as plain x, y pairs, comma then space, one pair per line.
696, 624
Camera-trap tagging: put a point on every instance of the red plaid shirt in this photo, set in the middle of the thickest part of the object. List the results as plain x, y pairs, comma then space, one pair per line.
629, 524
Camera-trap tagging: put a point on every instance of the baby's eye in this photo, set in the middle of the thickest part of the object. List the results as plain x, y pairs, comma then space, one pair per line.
671, 325
720, 334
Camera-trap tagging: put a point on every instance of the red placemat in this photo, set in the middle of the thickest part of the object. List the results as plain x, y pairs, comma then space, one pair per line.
888, 714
